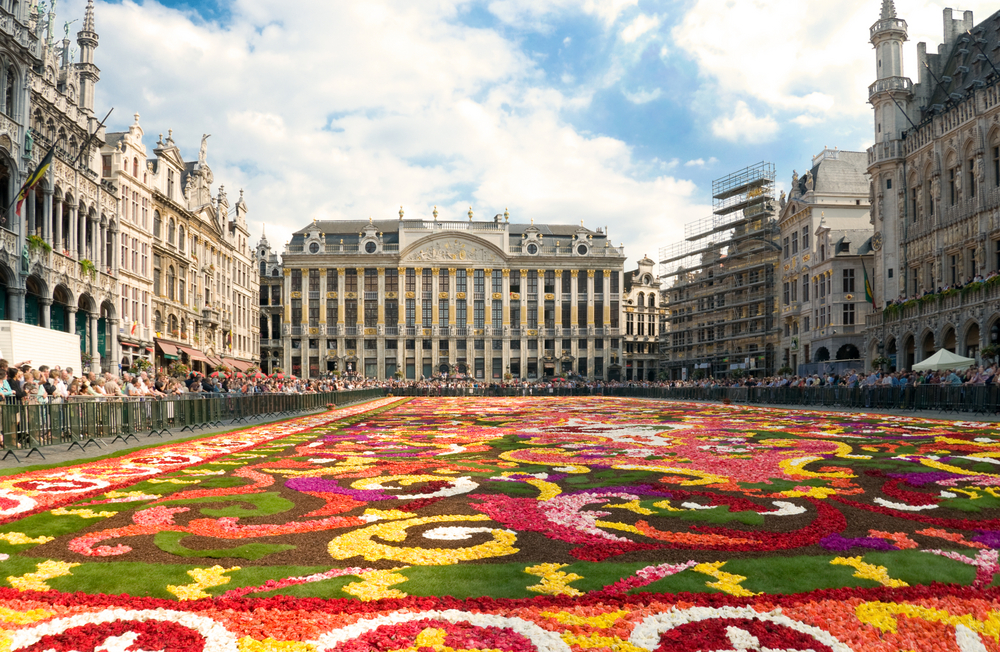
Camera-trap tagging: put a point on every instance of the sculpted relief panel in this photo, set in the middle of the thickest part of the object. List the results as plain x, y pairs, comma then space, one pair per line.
452, 250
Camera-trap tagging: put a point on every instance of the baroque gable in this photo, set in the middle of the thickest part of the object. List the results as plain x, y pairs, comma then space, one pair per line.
451, 249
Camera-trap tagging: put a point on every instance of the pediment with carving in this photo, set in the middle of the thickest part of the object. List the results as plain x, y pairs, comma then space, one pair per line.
452, 250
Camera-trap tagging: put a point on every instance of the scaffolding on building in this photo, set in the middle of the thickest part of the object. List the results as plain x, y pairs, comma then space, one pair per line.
720, 282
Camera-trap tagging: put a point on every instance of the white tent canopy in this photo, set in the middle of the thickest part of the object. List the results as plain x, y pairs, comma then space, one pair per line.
942, 360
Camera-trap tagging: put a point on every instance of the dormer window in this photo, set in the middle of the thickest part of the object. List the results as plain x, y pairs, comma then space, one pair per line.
532, 249
314, 247
370, 247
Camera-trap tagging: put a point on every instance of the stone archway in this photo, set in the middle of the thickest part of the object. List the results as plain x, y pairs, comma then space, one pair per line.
950, 341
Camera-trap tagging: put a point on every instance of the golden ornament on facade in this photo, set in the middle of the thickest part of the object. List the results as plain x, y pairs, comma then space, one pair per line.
296, 295
369, 331
506, 273
442, 295
314, 331
351, 295
498, 296
401, 270
805, 258
411, 295
390, 295
550, 297
515, 296
460, 295
287, 271
452, 270
590, 273
322, 271
381, 271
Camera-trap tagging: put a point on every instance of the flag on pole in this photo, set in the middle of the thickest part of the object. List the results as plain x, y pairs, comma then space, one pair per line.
34, 178
869, 291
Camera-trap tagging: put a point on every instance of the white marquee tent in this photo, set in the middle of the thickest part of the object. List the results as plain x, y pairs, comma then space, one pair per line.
942, 360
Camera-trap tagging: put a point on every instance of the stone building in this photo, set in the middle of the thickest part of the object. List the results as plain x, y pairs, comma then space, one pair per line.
481, 299
271, 306
935, 190
205, 282
825, 249
124, 164
642, 322
57, 263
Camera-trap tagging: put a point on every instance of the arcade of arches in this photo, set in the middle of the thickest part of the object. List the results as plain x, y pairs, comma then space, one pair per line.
967, 340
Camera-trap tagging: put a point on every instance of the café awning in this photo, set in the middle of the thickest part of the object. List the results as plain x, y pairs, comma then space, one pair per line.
194, 354
169, 350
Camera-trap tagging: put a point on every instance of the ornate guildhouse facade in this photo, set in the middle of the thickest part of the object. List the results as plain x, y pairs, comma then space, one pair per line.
935, 189
124, 164
272, 283
421, 298
57, 260
643, 306
825, 236
204, 282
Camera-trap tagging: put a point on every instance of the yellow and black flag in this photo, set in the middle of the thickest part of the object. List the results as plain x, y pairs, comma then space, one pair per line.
869, 290
34, 178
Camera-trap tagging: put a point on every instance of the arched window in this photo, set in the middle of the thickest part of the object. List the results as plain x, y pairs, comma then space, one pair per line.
928, 193
38, 122
274, 272
263, 270
182, 285
157, 224
170, 231
184, 328
135, 167
641, 300
62, 138
10, 91
158, 322
181, 238
171, 278
970, 174
652, 300
172, 321
50, 129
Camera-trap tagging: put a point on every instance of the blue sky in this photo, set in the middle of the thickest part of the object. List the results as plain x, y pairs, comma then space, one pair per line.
616, 112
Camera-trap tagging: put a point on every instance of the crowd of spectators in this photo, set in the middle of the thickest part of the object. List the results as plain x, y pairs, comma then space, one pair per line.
26, 384
973, 280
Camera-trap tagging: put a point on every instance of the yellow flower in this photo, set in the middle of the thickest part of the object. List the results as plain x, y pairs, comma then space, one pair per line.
204, 578
728, 583
375, 585
45, 571
20, 538
554, 581
867, 571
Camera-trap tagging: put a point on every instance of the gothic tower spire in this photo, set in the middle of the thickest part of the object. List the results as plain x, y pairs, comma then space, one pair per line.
888, 10
89, 73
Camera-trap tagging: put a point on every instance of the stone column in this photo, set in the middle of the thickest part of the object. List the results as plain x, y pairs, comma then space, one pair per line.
574, 320
380, 328
30, 213
113, 347
57, 224
71, 319
115, 261
47, 215
607, 298
590, 299
81, 234
94, 347
15, 304
322, 320
74, 225
45, 319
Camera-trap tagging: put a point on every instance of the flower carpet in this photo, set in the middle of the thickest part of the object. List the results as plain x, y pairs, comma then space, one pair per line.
517, 524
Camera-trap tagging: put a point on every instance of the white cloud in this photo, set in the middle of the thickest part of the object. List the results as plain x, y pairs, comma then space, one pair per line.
701, 163
535, 14
352, 109
639, 26
743, 126
642, 96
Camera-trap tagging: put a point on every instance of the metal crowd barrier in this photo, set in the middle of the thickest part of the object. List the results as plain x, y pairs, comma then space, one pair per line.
87, 421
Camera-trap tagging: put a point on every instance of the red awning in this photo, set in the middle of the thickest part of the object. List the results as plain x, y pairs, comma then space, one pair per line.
168, 349
238, 365
194, 354
149, 349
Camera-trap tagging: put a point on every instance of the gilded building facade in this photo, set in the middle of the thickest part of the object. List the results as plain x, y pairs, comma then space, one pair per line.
480, 299
935, 191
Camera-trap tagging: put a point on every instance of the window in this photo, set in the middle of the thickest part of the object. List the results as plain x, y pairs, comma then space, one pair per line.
371, 280
848, 280
785, 293
805, 238
425, 313
443, 280
296, 280
171, 276
497, 281
479, 282
848, 317
350, 280
914, 193
181, 238
411, 280
182, 285
170, 184
332, 280
170, 231
795, 242
805, 288
497, 315
785, 248
953, 260
952, 195
443, 313
479, 313
532, 282
461, 313
996, 166
970, 178
157, 224
391, 280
